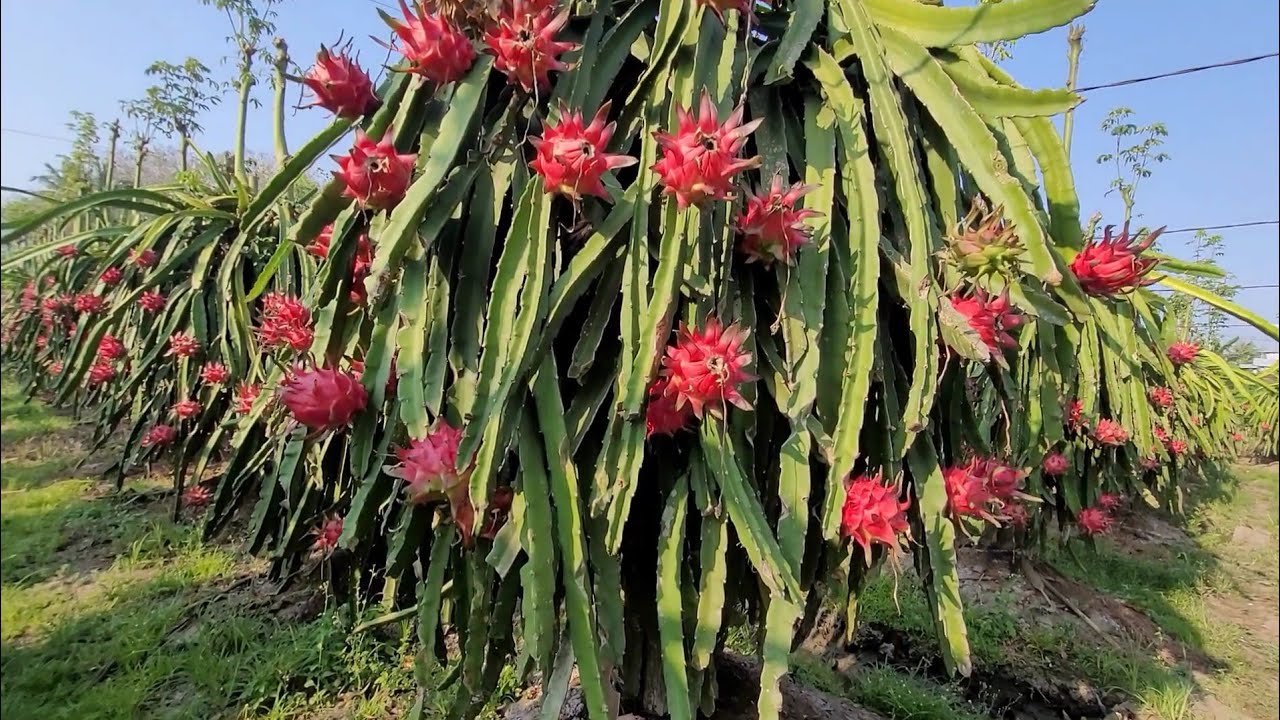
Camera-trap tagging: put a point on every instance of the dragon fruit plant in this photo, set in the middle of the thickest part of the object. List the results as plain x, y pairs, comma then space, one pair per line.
615, 315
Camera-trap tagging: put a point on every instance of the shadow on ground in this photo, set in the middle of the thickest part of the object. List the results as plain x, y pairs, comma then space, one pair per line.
112, 610
1170, 618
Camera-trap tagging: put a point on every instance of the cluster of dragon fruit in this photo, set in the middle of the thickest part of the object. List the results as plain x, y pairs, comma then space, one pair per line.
705, 367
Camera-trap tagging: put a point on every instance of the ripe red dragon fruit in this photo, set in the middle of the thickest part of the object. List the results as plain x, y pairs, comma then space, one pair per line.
183, 345
393, 380
88, 303
700, 159
1237, 437
111, 276
496, 514
1162, 397
159, 436
246, 395
42, 342
967, 493
990, 317
340, 85
101, 372
720, 7
1110, 502
1110, 432
662, 416
320, 246
571, 156
771, 226
186, 409
68, 251
152, 301
54, 368
323, 398
873, 514
374, 173
1177, 447
1094, 521
433, 47
1056, 464
523, 43
1017, 515
1113, 264
706, 367
1161, 434
1003, 481
1181, 353
285, 322
110, 348
325, 536
145, 259
214, 373
196, 496
429, 465
1149, 462
30, 299
361, 264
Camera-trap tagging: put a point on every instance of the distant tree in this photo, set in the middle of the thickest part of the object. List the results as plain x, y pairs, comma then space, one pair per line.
80, 170
1205, 324
19, 208
185, 91
1137, 151
147, 116
113, 143
252, 22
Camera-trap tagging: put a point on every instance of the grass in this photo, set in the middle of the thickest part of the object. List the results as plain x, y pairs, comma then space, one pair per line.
1176, 584
886, 690
111, 610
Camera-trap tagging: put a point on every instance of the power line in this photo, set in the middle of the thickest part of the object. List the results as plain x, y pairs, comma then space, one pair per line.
1252, 223
1238, 325
1184, 71
35, 134
1237, 287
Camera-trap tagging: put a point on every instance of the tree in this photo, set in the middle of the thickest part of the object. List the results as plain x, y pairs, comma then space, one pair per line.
185, 91
113, 140
279, 80
1205, 324
148, 116
1137, 150
80, 170
251, 23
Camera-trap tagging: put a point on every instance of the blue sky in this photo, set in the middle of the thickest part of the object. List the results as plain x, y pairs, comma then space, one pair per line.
61, 55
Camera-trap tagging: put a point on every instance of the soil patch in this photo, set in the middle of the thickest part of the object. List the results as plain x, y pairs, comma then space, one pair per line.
1037, 596
738, 679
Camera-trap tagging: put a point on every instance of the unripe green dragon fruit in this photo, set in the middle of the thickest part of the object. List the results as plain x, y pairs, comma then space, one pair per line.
982, 244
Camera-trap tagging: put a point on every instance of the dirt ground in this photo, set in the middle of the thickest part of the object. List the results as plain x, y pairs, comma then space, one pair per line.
1166, 619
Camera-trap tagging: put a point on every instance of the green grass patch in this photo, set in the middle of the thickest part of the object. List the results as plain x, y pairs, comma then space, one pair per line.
1170, 581
1168, 590
111, 610
892, 692
22, 420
